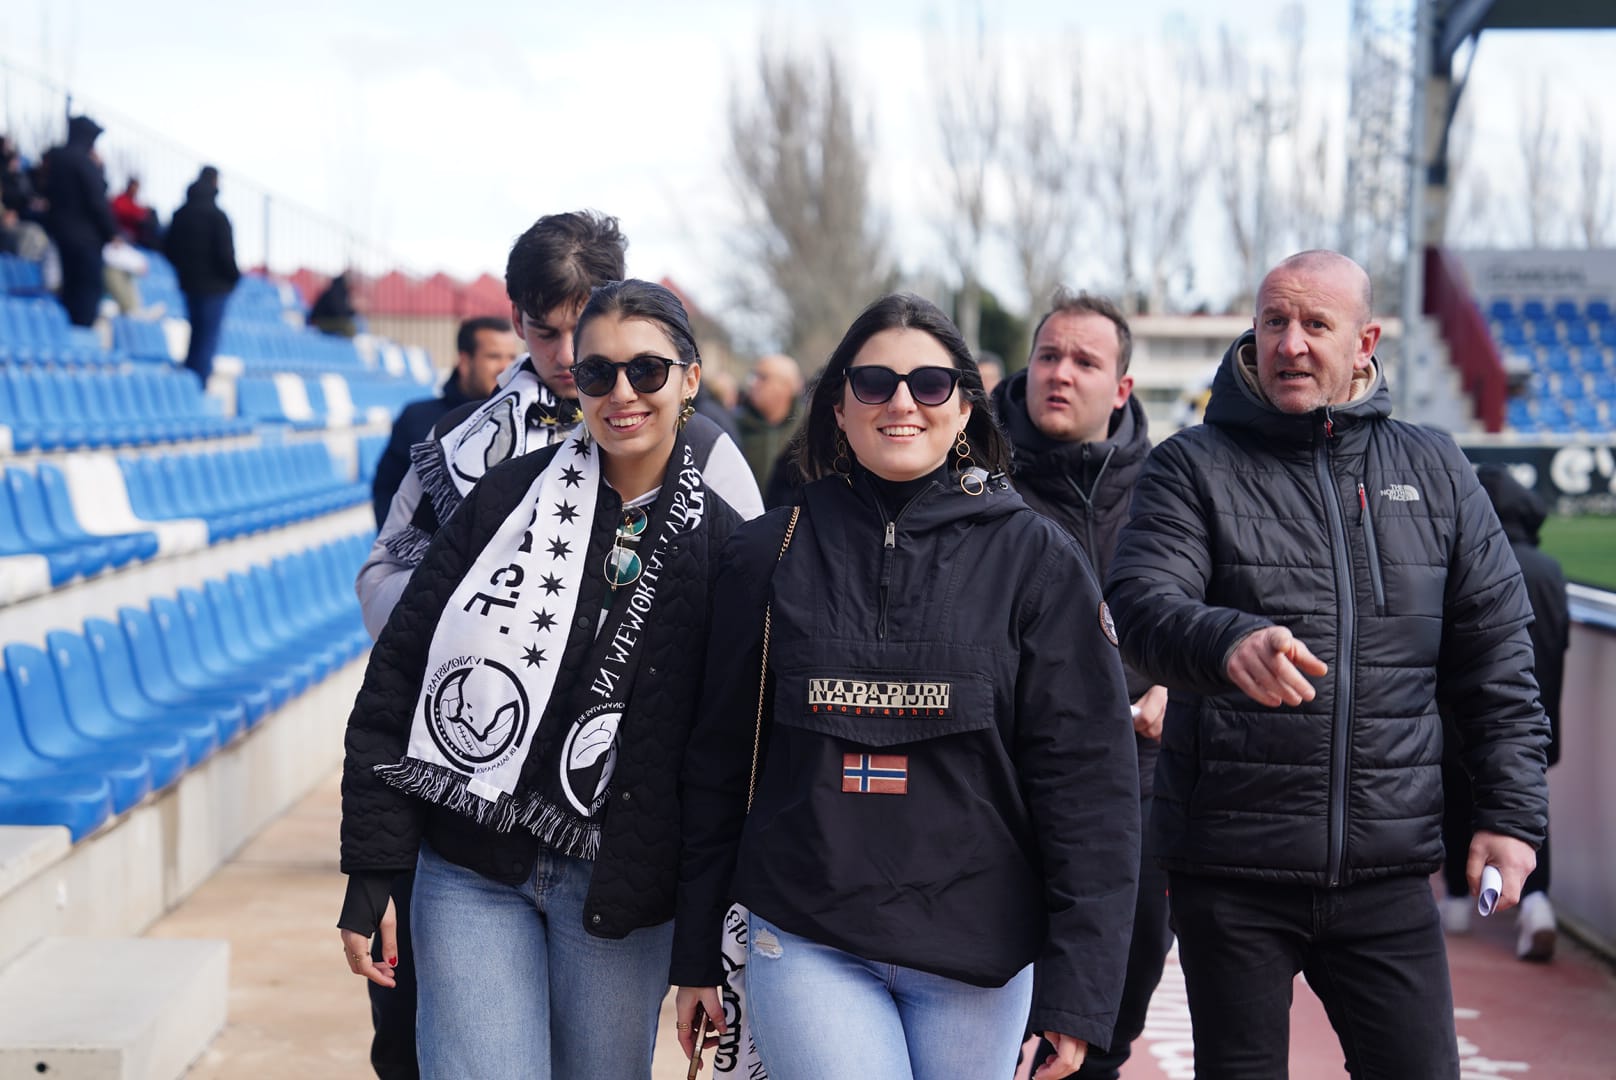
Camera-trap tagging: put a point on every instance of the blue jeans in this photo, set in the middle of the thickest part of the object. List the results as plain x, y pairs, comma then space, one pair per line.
512, 985
1372, 952
818, 1012
206, 314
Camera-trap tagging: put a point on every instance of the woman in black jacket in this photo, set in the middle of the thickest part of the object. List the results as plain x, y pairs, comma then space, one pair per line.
942, 680
518, 734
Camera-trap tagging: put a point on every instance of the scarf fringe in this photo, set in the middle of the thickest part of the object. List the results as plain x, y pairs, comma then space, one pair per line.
409, 545
554, 827
432, 466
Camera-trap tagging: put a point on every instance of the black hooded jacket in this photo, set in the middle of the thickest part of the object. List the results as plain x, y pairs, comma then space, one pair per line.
1522, 515
1373, 542
201, 244
959, 641
1084, 488
79, 216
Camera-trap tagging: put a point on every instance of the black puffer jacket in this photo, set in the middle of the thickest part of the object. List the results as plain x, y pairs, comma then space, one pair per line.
983, 618
1373, 542
636, 871
201, 244
79, 216
1084, 488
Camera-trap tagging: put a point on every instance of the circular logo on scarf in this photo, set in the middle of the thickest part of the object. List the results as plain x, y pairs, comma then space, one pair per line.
476, 710
489, 443
1107, 625
589, 757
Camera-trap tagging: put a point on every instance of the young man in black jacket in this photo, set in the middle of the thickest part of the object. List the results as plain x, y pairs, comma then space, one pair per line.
1079, 441
202, 247
1314, 582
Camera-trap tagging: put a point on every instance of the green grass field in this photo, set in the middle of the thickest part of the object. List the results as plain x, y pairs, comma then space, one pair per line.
1585, 546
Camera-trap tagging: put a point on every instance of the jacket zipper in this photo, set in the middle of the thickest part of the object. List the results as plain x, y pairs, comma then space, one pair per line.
889, 551
1346, 618
1374, 551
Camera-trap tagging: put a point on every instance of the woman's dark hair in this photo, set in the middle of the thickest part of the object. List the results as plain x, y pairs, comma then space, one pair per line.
814, 446
636, 299
560, 258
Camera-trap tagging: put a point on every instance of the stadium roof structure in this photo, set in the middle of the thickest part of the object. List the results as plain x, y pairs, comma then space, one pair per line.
1457, 20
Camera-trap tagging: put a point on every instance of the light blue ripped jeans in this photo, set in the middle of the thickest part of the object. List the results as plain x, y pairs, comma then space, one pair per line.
819, 1012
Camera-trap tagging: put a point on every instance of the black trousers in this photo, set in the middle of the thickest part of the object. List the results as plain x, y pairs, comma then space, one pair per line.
81, 282
392, 1010
1147, 952
1458, 826
1373, 953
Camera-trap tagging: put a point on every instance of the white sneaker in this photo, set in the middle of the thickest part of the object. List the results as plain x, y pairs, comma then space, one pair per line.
1455, 914
1535, 928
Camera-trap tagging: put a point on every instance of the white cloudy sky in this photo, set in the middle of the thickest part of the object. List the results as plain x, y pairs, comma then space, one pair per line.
442, 129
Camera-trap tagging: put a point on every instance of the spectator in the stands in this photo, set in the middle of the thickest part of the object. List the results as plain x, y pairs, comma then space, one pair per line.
21, 207
486, 346
78, 218
333, 311
202, 247
137, 223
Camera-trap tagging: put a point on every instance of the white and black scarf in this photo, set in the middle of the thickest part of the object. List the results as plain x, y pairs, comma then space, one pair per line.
521, 415
483, 713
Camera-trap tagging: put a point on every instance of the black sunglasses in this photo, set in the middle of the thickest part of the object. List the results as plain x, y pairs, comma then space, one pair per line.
874, 385
646, 374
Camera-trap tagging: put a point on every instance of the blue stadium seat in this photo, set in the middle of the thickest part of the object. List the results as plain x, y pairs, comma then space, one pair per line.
36, 791
156, 677
1591, 360
1578, 332
221, 661
1534, 309
1543, 332
39, 532
1512, 334
1599, 310
1556, 360
1571, 388
90, 708
45, 723
1586, 415
128, 775
129, 689
1566, 310
1501, 309
185, 662
59, 504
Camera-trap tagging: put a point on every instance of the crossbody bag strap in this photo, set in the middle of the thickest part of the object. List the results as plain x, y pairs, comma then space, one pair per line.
763, 671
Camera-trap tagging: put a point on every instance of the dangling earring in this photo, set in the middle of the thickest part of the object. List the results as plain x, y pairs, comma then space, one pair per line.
843, 465
972, 480
686, 411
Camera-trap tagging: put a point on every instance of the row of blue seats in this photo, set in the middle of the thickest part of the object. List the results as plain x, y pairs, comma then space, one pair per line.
1562, 361
258, 397
1579, 387
63, 409
1555, 417
240, 491
142, 339
1550, 333
257, 299
21, 277
37, 518
1504, 309
37, 331
269, 347
97, 721
371, 449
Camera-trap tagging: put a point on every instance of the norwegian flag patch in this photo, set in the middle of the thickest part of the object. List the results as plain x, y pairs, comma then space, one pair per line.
875, 774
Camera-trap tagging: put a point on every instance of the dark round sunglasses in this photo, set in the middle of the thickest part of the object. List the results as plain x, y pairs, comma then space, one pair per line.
875, 385
646, 374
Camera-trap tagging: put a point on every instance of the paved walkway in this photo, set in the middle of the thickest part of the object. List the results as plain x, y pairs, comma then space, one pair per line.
296, 1013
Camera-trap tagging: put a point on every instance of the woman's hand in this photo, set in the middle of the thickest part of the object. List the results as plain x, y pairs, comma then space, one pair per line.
357, 948
1067, 1058
685, 1003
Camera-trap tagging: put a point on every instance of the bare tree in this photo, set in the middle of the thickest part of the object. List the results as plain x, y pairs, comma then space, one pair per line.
1539, 143
1045, 169
1593, 180
968, 97
801, 165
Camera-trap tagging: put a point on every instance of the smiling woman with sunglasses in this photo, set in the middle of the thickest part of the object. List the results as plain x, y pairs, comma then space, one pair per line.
524, 714
945, 832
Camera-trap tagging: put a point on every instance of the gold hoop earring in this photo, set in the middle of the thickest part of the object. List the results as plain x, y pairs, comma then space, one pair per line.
843, 464
686, 411
972, 480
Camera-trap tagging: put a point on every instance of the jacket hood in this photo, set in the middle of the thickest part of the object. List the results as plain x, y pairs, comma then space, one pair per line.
201, 191
82, 131
1238, 401
1519, 509
1039, 459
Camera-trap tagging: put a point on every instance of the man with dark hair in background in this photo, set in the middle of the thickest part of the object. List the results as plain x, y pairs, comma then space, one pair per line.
78, 217
1080, 438
484, 347
202, 246
1316, 583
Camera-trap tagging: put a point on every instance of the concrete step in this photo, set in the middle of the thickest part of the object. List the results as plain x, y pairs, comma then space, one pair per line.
111, 1009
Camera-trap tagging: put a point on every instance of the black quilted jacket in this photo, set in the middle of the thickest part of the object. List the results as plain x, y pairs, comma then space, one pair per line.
1373, 542
637, 868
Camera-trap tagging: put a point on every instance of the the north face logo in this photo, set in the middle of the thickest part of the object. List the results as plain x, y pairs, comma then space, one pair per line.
1401, 493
